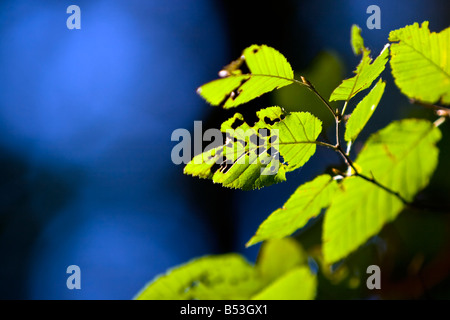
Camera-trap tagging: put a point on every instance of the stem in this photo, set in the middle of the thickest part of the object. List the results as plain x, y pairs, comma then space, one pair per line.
309, 85
343, 108
441, 111
338, 140
439, 121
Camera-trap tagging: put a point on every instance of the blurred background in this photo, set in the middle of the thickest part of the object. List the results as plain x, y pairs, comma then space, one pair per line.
86, 118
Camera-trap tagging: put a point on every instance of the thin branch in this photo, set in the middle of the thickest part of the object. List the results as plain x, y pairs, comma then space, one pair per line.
440, 110
319, 143
439, 121
309, 85
343, 108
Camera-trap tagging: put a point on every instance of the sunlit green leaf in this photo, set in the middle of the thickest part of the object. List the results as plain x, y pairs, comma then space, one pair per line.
305, 203
421, 62
356, 214
402, 158
250, 159
363, 112
366, 72
268, 70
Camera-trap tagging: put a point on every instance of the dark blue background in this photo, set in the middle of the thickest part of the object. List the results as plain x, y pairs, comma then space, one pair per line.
86, 118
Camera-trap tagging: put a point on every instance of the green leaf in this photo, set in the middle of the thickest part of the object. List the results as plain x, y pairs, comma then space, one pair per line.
421, 62
356, 214
230, 276
357, 41
298, 133
250, 157
209, 278
366, 72
268, 70
304, 204
363, 112
401, 157
297, 284
278, 256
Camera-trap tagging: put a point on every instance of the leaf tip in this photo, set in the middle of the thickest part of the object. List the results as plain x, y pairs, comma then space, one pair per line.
251, 242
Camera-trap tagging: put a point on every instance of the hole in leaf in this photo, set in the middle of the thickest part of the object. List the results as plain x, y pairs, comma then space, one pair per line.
270, 122
245, 69
225, 166
237, 123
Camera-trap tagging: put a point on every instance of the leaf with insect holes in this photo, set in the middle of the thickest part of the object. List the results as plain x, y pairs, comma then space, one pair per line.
259, 155
230, 276
366, 72
304, 204
363, 111
420, 62
401, 157
267, 70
